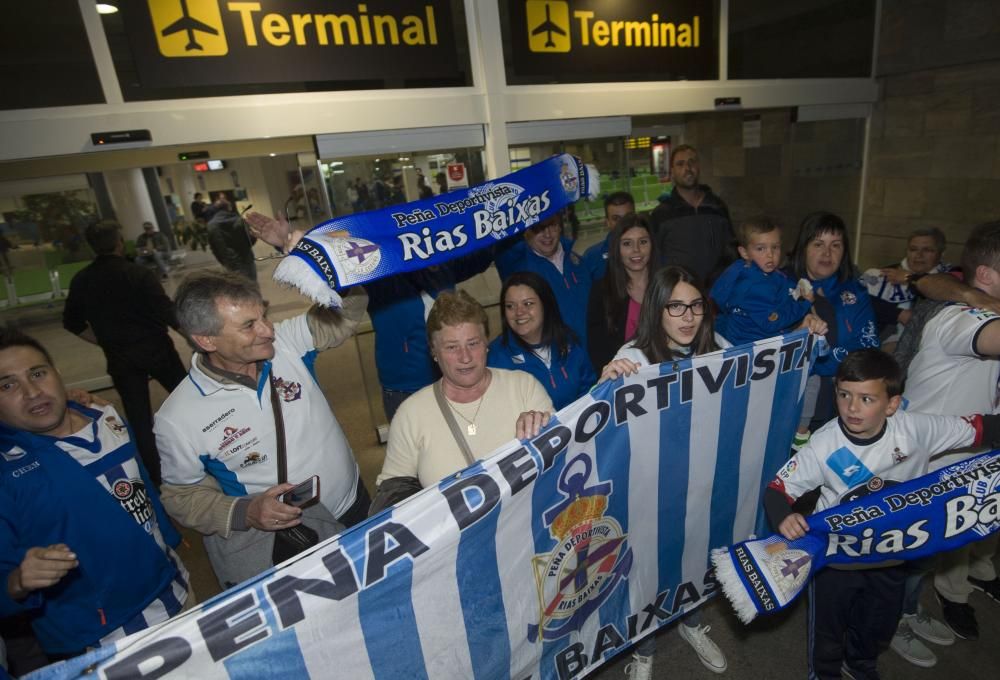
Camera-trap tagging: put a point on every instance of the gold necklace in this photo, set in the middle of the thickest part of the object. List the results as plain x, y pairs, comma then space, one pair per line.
470, 428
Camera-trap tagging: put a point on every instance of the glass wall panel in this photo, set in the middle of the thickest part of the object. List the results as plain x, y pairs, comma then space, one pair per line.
360, 183
46, 229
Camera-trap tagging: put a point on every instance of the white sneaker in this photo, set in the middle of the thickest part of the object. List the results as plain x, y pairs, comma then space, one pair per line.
711, 656
929, 628
906, 644
641, 668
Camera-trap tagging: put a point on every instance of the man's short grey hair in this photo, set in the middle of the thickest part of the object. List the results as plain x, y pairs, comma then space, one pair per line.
198, 296
933, 232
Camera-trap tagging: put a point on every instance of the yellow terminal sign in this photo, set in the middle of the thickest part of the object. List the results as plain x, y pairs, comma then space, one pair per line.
193, 28
188, 28
548, 26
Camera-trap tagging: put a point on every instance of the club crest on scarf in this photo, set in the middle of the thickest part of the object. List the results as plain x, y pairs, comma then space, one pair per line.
568, 178
589, 561
356, 255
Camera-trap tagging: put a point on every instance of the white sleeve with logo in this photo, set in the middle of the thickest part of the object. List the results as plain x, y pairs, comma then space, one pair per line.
956, 328
804, 471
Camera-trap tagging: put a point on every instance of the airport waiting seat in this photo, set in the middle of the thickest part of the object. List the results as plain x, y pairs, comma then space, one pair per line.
64, 273
32, 285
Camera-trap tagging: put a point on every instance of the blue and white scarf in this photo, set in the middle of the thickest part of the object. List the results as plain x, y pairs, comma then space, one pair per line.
367, 246
938, 512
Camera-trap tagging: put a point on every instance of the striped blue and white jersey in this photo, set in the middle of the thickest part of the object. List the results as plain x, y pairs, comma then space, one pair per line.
95, 447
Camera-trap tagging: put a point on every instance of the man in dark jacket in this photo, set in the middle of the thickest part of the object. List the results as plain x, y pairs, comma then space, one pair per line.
152, 246
229, 240
122, 307
691, 225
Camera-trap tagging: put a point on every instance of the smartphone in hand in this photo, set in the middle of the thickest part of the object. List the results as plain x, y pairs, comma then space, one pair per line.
302, 494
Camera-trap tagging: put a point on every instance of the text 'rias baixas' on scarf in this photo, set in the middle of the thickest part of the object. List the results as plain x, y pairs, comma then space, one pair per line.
363, 247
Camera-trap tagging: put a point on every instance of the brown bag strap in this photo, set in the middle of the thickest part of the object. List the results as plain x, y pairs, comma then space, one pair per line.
279, 429
449, 418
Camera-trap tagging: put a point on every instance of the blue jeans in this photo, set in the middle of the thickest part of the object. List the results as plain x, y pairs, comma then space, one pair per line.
158, 258
648, 645
391, 401
915, 572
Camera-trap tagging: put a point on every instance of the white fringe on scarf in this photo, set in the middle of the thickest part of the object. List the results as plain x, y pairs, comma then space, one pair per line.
732, 585
296, 272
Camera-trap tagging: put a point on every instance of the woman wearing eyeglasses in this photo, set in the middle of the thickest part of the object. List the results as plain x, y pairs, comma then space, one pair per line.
676, 322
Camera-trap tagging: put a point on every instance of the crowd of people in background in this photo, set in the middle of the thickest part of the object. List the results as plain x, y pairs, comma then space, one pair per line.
249, 420
380, 191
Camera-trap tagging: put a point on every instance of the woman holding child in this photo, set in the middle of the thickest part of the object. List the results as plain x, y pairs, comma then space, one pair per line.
822, 256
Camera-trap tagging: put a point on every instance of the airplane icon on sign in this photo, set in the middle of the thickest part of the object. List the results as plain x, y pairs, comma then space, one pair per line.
190, 25
548, 28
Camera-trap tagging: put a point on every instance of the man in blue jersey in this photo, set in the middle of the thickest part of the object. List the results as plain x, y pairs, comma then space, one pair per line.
85, 546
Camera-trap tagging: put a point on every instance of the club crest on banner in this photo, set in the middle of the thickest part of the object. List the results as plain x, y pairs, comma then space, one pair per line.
589, 561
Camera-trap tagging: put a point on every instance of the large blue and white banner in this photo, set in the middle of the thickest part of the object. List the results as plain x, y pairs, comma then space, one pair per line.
940, 511
543, 561
366, 246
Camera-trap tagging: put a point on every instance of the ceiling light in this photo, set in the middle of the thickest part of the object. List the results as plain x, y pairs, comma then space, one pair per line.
106, 8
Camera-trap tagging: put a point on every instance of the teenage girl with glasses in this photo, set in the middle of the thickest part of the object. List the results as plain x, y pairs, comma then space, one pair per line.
676, 322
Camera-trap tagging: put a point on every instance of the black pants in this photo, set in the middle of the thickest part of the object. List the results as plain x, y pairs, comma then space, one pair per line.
359, 511
853, 615
163, 365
